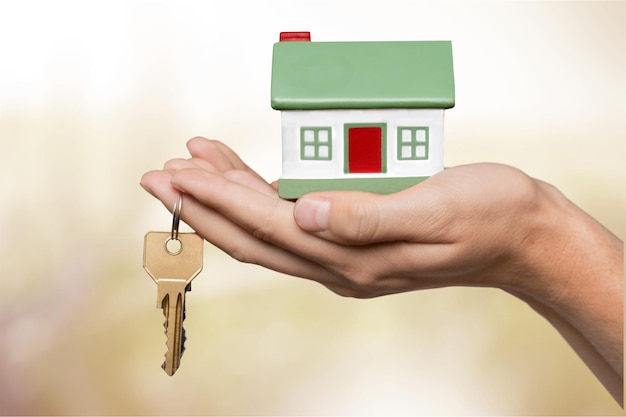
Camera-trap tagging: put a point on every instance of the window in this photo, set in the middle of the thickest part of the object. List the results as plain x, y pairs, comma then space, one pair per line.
315, 143
412, 143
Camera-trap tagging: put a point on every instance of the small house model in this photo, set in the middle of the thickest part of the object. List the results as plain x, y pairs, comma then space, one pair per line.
360, 115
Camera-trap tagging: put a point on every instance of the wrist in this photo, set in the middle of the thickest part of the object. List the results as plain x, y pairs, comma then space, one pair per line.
564, 251
546, 246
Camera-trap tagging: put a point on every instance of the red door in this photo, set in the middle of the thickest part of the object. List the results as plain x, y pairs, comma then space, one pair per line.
365, 149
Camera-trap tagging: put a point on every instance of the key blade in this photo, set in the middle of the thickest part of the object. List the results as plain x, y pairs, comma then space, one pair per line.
171, 296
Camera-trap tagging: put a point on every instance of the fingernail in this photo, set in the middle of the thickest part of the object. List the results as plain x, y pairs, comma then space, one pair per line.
311, 213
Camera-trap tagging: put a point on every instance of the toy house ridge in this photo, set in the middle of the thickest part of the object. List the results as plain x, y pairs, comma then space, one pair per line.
360, 115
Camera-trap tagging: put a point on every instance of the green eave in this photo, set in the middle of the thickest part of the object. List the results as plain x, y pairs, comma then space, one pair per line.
362, 75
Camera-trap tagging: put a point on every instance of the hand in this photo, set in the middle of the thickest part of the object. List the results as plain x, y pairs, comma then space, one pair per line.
472, 225
461, 227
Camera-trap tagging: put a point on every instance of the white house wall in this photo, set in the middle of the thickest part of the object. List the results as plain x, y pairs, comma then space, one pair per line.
292, 121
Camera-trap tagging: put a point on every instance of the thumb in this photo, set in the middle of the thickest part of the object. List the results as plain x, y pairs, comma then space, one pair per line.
352, 217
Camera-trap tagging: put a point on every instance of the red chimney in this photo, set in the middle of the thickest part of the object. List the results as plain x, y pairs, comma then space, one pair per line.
295, 36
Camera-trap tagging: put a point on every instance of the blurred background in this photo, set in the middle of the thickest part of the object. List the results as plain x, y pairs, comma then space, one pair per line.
94, 94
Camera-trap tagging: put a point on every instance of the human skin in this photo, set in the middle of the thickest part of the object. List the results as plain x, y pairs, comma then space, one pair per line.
481, 225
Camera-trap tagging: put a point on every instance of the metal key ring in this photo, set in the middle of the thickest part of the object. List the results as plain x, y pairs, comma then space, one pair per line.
176, 220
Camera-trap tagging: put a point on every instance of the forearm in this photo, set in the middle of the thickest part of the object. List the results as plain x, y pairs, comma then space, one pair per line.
595, 361
572, 274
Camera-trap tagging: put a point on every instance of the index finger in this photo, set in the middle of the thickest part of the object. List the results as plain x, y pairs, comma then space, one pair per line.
219, 155
266, 217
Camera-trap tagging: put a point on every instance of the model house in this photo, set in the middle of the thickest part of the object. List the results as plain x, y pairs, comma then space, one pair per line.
360, 115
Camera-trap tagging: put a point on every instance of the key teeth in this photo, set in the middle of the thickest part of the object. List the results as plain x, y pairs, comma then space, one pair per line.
165, 325
182, 349
184, 333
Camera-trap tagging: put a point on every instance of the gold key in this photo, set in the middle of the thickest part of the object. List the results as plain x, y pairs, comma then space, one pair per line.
173, 260
172, 264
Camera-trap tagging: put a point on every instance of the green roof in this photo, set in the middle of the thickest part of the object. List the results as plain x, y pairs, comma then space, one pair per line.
362, 75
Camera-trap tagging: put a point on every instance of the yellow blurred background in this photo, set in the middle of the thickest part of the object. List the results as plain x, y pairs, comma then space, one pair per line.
93, 94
